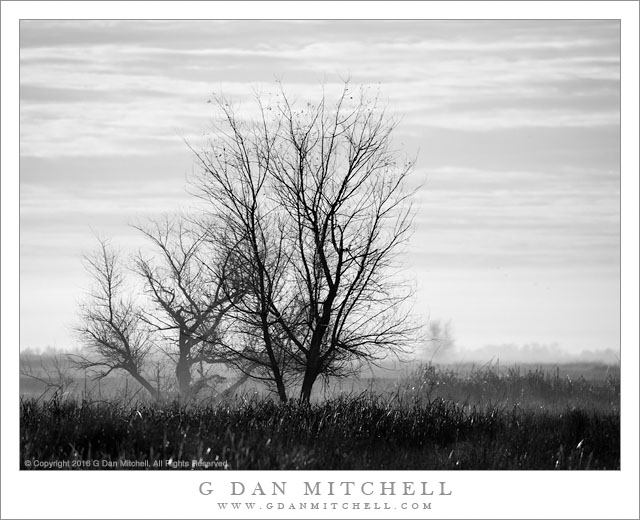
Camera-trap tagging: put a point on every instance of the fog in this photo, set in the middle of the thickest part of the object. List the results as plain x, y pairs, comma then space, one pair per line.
504, 355
528, 354
508, 353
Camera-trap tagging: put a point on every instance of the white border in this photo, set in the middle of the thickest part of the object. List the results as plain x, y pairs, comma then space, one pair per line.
175, 494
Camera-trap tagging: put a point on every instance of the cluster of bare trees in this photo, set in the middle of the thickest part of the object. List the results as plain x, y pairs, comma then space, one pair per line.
290, 274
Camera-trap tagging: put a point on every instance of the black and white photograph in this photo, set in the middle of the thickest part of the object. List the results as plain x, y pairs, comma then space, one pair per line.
285, 266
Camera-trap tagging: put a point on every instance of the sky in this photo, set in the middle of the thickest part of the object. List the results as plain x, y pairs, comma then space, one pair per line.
515, 124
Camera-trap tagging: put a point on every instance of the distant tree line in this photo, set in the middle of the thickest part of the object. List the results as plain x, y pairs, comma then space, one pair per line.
288, 275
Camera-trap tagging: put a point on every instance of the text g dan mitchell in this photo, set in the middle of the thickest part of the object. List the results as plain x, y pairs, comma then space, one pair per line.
328, 488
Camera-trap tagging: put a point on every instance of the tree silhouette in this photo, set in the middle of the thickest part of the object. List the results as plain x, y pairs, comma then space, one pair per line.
189, 306
111, 327
312, 206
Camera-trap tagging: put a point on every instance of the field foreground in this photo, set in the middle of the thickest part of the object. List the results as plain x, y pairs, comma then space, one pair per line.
507, 421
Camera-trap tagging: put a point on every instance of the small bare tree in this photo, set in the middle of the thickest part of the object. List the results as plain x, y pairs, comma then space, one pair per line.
111, 326
313, 205
189, 304
441, 341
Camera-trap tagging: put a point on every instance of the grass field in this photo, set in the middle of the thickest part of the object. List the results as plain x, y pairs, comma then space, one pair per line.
435, 418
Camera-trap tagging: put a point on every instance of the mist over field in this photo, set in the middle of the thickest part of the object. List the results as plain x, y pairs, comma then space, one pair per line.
506, 353
587, 364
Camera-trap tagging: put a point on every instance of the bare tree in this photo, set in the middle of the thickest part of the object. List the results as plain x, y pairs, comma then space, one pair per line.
441, 340
256, 254
189, 303
312, 201
111, 327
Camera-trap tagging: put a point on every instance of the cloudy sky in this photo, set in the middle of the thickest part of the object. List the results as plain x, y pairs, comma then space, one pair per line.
516, 126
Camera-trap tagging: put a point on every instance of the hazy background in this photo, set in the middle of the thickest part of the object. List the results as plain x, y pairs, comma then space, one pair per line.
516, 124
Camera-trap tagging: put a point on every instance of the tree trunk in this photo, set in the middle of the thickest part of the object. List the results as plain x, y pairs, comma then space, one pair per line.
146, 385
227, 392
183, 367
282, 391
273, 363
310, 376
183, 376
